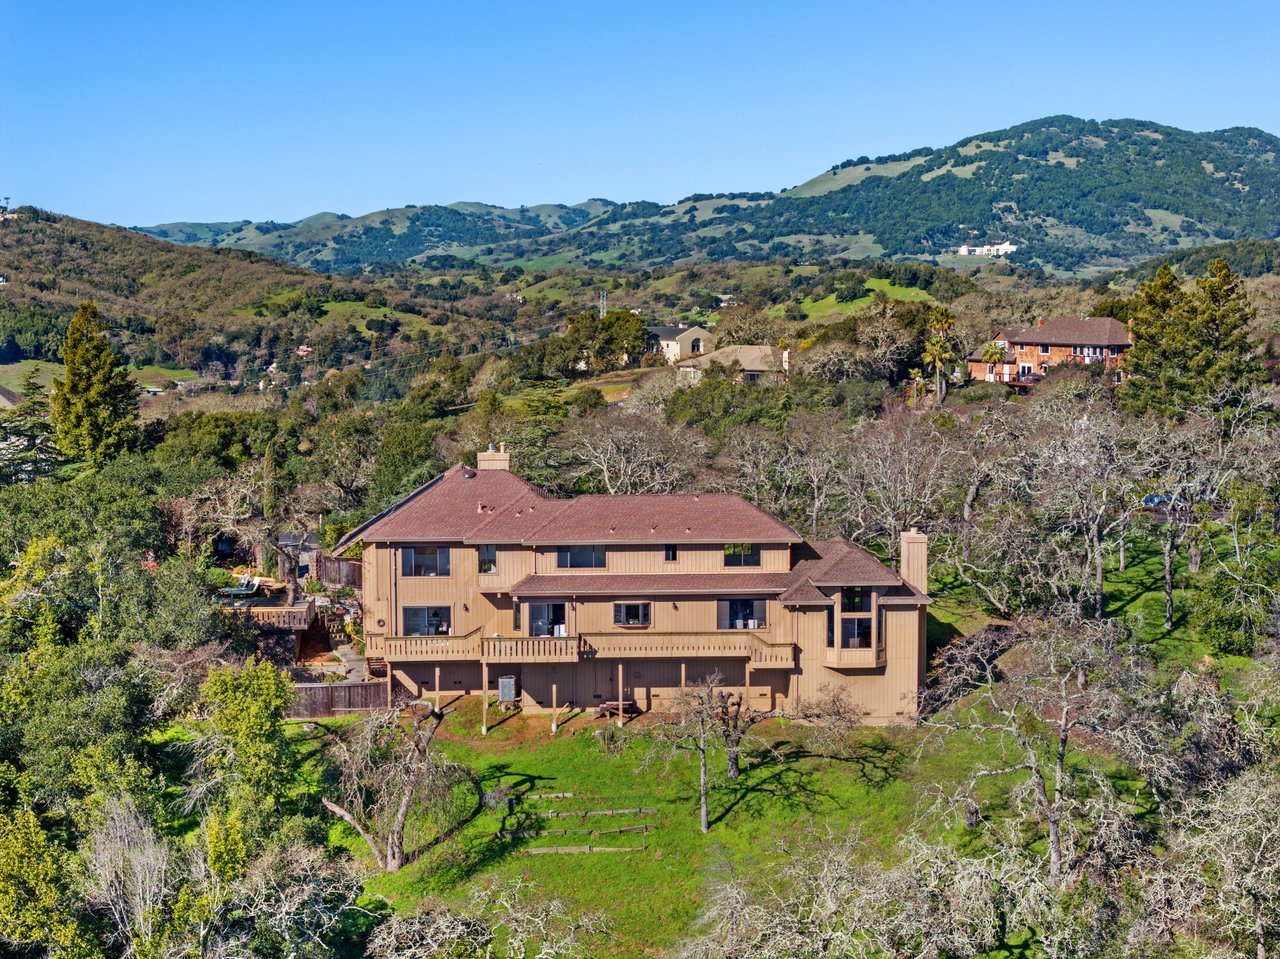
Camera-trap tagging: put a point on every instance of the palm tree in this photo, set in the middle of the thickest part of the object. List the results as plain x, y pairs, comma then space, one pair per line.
992, 353
941, 322
937, 354
917, 377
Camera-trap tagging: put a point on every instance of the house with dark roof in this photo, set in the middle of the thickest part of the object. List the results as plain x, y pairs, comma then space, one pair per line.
479, 581
1030, 352
678, 342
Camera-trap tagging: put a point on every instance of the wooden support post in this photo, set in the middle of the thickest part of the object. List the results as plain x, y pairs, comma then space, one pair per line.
484, 701
437, 687
683, 681
747, 693
621, 665
388, 685
553, 709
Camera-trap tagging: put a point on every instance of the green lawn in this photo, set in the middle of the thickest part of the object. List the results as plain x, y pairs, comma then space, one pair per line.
652, 897
12, 374
828, 310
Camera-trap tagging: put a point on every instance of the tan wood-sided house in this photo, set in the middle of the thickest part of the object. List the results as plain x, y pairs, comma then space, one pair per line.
600, 600
1031, 352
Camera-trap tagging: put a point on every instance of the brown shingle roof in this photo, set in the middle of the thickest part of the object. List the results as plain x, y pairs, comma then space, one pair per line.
1072, 331
8, 398
658, 518
833, 562
450, 506
495, 506
646, 584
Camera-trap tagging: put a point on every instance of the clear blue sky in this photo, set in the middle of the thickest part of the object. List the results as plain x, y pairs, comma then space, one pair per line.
139, 113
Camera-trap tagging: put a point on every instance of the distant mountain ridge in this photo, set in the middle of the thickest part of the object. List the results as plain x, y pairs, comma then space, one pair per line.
1073, 194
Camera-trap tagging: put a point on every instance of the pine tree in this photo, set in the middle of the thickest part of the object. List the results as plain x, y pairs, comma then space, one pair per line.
1189, 346
26, 449
95, 409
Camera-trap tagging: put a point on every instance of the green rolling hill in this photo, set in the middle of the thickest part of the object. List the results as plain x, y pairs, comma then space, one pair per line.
1075, 195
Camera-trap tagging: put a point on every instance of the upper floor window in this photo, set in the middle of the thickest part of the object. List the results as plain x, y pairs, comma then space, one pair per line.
547, 619
855, 599
742, 554
1044, 349
488, 558
631, 614
1115, 351
424, 560
855, 633
670, 553
580, 557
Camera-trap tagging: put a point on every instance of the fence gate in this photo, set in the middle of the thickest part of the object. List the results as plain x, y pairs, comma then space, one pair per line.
329, 700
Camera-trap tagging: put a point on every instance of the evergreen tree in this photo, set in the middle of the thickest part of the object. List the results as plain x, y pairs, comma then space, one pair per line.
1189, 345
95, 409
26, 448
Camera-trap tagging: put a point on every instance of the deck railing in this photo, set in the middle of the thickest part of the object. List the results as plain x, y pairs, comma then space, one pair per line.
728, 644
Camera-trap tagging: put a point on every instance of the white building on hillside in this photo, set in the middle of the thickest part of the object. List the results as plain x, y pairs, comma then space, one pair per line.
999, 249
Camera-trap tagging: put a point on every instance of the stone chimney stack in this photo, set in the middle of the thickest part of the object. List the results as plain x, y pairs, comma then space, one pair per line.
492, 459
914, 559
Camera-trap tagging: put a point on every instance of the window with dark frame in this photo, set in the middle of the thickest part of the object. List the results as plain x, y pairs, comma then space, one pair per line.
742, 554
631, 614
488, 558
670, 553
547, 619
428, 620
580, 557
424, 560
1044, 349
741, 613
855, 632
855, 599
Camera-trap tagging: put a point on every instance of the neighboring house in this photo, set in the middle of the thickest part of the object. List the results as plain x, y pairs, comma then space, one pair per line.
1032, 352
618, 601
998, 249
679, 342
756, 363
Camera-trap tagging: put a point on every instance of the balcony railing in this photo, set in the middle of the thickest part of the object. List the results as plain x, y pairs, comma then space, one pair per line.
867, 657
534, 649
728, 644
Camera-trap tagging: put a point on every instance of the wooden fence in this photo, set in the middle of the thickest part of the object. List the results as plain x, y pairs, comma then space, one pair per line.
337, 571
328, 700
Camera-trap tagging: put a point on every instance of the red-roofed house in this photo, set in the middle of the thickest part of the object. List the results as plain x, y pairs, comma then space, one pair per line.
620, 600
1031, 352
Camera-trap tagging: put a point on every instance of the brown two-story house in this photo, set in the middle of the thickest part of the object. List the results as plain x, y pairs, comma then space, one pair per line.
1031, 352
621, 600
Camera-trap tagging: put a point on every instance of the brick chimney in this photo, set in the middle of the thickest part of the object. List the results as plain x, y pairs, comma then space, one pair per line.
914, 559
492, 459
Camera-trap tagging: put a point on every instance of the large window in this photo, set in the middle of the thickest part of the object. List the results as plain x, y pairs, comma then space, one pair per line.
488, 557
631, 614
580, 557
855, 632
546, 619
428, 620
742, 554
740, 613
424, 560
855, 599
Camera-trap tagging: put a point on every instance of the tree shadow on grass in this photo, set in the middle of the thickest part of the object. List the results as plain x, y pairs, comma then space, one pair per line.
875, 760
772, 780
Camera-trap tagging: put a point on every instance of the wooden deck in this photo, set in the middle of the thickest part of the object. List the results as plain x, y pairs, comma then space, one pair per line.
761, 652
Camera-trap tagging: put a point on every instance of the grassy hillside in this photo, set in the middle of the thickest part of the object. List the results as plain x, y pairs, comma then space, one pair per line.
1075, 195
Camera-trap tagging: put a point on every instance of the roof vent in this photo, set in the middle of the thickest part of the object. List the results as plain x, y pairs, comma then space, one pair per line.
480, 507
468, 474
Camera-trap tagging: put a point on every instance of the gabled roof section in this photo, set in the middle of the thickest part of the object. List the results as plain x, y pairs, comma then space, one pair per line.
660, 518
1072, 331
833, 562
449, 507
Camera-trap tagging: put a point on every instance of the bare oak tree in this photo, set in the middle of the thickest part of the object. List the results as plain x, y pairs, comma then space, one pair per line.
387, 767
